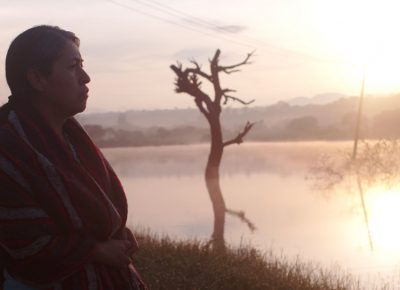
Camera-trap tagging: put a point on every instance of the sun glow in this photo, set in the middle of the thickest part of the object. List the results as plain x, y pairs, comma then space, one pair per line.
384, 217
364, 33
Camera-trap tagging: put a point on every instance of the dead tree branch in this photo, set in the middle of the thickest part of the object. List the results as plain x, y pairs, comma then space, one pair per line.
197, 70
233, 68
227, 97
239, 138
201, 107
242, 216
188, 82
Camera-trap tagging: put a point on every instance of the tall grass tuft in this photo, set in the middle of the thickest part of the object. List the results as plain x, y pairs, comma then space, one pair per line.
173, 264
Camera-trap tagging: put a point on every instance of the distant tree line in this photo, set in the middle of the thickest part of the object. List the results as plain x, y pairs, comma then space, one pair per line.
384, 125
155, 136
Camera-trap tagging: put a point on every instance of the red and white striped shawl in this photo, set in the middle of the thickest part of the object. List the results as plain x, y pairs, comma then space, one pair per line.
56, 201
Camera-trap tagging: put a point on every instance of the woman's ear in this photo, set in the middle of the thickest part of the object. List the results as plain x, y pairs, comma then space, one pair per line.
36, 80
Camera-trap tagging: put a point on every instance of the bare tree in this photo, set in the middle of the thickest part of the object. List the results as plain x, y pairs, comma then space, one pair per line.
377, 164
188, 81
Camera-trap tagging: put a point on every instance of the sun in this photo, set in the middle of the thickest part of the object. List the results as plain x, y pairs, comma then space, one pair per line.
384, 217
364, 33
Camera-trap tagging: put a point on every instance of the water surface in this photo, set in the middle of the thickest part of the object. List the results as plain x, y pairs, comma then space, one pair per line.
167, 194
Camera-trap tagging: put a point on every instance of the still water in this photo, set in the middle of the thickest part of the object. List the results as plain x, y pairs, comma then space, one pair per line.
166, 193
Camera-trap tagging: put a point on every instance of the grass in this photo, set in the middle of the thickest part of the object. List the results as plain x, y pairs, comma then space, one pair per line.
191, 265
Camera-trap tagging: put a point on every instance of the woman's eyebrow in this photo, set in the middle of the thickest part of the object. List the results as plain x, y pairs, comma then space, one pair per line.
78, 59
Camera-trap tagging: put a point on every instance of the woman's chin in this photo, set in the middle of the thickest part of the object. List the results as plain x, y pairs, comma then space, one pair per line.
78, 109
82, 108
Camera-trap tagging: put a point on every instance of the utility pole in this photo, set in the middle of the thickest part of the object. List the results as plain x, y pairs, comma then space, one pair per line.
354, 156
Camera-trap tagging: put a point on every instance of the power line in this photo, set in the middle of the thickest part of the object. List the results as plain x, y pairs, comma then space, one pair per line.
209, 25
174, 23
174, 12
198, 25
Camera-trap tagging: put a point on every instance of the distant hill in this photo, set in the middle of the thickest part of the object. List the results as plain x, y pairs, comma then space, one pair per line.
136, 119
281, 121
320, 99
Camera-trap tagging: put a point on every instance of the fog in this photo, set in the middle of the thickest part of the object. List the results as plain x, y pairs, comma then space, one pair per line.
167, 195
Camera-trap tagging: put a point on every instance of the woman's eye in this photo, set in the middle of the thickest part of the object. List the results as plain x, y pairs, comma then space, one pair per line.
76, 65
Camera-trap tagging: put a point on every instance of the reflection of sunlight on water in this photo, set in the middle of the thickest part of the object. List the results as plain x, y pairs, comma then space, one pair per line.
166, 192
384, 213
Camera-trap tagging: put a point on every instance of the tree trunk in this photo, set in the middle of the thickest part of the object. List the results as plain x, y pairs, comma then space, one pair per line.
213, 184
188, 81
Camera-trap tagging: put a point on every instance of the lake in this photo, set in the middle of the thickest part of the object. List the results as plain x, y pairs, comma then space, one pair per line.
167, 194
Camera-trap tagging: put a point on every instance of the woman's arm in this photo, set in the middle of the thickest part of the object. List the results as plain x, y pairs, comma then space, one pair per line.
36, 249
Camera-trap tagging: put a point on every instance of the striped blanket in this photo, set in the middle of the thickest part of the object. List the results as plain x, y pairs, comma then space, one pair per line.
57, 199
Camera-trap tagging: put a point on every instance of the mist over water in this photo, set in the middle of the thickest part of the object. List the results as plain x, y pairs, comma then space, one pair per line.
167, 194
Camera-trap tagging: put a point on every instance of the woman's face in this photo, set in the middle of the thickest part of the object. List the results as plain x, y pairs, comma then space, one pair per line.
64, 91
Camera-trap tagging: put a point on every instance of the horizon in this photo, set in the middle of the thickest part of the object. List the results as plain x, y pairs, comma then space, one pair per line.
319, 99
240, 106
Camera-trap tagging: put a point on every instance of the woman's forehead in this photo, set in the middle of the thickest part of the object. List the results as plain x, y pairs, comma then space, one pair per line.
71, 51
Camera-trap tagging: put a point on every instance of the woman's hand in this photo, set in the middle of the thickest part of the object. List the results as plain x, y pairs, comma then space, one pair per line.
115, 253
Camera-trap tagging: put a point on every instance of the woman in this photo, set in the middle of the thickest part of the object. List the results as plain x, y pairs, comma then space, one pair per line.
63, 210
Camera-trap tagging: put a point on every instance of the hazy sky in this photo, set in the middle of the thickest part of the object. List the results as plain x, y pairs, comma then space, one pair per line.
303, 47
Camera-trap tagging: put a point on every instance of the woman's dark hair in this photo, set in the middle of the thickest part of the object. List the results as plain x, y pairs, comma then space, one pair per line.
36, 48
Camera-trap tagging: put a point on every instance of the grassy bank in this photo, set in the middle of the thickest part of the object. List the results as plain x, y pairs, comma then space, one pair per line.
170, 264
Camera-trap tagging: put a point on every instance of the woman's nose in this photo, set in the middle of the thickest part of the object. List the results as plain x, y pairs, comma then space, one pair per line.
84, 77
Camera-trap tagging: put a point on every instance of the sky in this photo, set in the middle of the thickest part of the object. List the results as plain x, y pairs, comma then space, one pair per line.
302, 47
